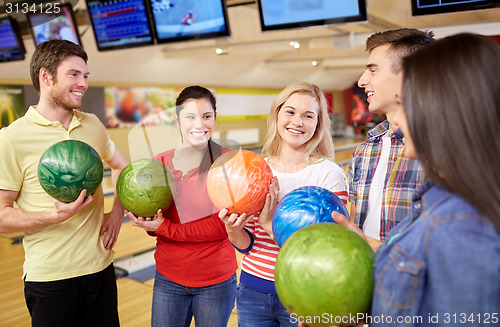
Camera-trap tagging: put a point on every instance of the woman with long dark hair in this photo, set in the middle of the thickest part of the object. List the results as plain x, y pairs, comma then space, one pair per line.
195, 262
441, 265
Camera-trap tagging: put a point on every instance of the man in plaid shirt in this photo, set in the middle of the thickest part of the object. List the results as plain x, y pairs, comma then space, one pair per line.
381, 180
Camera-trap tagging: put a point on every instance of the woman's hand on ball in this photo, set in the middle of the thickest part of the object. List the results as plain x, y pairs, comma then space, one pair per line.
266, 214
234, 222
149, 224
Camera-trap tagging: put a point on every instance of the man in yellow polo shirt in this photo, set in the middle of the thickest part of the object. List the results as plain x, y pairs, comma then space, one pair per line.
68, 271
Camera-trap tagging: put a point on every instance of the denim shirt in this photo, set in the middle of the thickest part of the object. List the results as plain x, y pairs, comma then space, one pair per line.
439, 267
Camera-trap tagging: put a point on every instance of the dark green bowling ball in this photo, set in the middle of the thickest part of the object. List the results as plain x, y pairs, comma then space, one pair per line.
68, 167
144, 186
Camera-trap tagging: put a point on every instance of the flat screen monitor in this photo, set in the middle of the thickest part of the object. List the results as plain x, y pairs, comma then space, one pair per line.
430, 7
178, 20
56, 23
285, 14
11, 43
120, 24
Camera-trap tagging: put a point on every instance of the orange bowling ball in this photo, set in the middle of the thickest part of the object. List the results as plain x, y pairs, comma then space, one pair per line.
239, 180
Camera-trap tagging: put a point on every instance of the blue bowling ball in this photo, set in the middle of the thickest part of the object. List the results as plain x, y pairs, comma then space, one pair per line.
302, 207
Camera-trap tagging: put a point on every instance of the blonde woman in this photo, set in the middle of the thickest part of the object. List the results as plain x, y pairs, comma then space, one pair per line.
299, 149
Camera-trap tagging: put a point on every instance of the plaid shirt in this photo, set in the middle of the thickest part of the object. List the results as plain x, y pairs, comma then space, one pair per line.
403, 177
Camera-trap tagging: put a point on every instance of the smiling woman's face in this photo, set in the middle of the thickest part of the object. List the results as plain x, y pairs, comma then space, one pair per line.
196, 122
297, 119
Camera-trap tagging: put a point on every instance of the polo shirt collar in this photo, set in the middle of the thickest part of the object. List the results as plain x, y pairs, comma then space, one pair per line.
34, 116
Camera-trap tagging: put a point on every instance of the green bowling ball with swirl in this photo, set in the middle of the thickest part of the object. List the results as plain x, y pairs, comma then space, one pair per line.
68, 167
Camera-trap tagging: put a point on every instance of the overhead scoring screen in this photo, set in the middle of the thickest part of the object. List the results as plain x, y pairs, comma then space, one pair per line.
120, 23
189, 19
429, 7
11, 44
300, 13
58, 23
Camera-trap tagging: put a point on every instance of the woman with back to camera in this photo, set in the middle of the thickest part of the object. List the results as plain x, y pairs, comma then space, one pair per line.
441, 265
300, 151
195, 262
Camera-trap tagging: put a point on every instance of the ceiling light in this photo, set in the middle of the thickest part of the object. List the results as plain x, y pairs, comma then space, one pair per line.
314, 63
222, 51
294, 44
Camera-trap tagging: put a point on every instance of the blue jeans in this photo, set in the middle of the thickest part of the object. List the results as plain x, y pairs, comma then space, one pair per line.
257, 309
175, 305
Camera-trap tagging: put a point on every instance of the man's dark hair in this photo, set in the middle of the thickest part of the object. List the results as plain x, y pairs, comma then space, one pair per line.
49, 55
402, 42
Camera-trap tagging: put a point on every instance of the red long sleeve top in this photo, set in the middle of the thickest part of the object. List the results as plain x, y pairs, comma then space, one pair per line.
197, 252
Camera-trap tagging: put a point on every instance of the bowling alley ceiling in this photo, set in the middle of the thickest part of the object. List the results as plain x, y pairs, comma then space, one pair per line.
251, 58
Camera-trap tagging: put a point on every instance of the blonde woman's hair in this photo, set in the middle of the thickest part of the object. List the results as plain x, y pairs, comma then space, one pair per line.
321, 143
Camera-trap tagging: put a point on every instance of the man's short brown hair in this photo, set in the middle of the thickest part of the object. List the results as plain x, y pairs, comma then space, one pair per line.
49, 55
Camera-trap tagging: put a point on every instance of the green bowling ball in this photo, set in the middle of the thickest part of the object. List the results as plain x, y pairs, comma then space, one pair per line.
144, 186
325, 270
68, 167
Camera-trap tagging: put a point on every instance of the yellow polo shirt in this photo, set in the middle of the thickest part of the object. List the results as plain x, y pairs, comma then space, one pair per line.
71, 248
